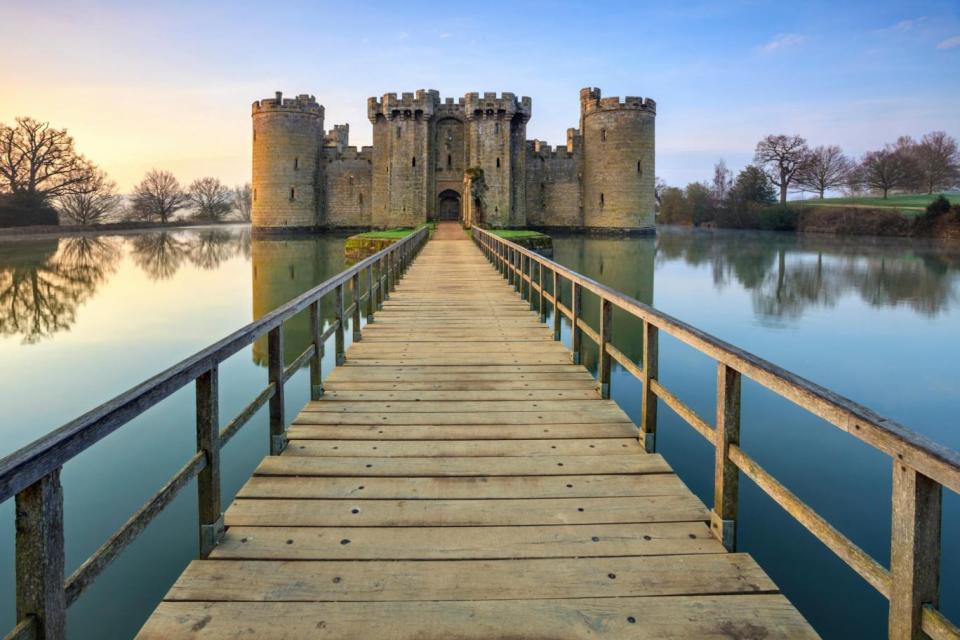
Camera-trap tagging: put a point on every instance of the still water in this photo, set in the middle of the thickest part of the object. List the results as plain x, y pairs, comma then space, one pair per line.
83, 318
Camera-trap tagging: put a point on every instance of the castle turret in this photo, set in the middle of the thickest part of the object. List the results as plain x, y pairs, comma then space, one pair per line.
287, 138
618, 160
496, 135
403, 166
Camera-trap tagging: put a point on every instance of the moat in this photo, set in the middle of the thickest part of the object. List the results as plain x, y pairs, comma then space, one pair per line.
82, 317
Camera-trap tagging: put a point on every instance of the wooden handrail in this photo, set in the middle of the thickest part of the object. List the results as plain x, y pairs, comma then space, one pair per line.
32, 473
921, 467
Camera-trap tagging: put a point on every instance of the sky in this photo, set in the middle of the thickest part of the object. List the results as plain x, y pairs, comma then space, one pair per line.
169, 84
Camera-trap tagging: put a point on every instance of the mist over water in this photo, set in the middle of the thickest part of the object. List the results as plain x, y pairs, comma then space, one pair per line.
83, 318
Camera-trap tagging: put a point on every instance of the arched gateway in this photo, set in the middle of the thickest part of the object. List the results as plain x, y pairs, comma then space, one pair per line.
448, 205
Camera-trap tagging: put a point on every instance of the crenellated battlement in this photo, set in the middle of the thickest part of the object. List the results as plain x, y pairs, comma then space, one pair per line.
540, 149
490, 105
349, 153
591, 101
421, 104
303, 103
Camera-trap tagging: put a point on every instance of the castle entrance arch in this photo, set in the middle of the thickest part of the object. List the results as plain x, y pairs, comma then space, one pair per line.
448, 205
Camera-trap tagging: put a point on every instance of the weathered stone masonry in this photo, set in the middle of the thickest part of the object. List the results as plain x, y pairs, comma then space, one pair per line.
466, 160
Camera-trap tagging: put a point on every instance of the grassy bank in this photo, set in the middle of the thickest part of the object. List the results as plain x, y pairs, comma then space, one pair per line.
908, 203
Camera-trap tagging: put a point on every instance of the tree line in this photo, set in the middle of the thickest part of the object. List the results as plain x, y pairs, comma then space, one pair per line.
44, 179
782, 163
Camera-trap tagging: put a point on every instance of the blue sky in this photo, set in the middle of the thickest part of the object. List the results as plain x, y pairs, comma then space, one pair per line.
170, 84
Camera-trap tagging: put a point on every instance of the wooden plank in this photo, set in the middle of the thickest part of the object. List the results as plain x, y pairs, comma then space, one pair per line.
431, 580
466, 543
478, 466
595, 405
460, 432
451, 418
469, 386
709, 617
464, 448
453, 488
434, 374
282, 512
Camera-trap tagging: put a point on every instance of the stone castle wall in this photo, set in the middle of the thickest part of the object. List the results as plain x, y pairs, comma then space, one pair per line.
474, 149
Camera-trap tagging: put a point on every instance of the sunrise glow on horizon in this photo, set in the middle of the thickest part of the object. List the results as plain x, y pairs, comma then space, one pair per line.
170, 86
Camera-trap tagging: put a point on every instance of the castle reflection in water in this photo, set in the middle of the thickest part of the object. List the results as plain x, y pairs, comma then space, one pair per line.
44, 282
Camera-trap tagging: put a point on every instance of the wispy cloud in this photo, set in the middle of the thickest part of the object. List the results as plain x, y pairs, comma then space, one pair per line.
444, 36
782, 41
950, 43
904, 25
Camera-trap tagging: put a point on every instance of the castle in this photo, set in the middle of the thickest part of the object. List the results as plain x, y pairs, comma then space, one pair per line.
466, 160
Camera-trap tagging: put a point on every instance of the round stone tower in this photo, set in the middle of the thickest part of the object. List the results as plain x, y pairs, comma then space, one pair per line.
618, 161
287, 141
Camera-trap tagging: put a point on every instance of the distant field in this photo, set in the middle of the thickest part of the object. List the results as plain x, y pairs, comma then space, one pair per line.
903, 202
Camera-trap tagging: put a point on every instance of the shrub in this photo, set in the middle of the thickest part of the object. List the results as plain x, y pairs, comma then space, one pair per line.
938, 207
18, 213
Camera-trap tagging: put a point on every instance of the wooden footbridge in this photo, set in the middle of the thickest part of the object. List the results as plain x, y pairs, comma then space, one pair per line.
459, 477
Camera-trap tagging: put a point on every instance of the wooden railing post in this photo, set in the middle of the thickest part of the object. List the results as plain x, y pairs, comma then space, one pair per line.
341, 352
603, 367
316, 362
379, 272
723, 519
356, 307
648, 401
557, 314
40, 557
208, 480
510, 266
278, 436
575, 322
530, 263
543, 305
370, 302
914, 551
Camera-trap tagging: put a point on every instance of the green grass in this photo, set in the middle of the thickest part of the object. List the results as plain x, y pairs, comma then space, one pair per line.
388, 234
903, 202
511, 234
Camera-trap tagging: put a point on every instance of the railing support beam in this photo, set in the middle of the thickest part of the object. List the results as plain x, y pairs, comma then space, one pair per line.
40, 557
603, 367
316, 362
723, 519
278, 435
914, 551
648, 401
575, 308
208, 480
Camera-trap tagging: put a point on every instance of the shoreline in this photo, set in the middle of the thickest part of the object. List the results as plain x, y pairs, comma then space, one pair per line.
110, 228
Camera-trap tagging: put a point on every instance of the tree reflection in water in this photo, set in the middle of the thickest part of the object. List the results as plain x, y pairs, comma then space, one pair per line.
787, 274
43, 282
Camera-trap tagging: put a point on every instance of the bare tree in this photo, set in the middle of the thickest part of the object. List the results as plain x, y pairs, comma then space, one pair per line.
938, 161
38, 162
886, 170
781, 157
158, 197
826, 168
243, 202
722, 180
90, 201
659, 184
211, 198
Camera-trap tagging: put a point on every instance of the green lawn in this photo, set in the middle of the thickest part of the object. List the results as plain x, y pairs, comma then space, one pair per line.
512, 234
389, 234
903, 202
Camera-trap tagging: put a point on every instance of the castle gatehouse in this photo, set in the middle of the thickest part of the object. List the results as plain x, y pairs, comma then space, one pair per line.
443, 159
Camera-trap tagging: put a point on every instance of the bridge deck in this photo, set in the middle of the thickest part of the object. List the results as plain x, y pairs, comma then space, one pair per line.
461, 479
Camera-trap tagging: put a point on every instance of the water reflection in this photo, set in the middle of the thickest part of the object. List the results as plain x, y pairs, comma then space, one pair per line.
283, 268
44, 281
788, 274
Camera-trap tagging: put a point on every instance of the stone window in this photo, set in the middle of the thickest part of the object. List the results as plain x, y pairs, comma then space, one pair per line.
398, 132
496, 127
640, 167
601, 200
360, 199
413, 161
603, 135
296, 164
293, 194
254, 195
449, 161
498, 163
